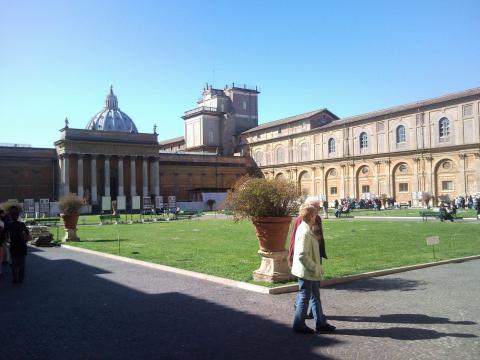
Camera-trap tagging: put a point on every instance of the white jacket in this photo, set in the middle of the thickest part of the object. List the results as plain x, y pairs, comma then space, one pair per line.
306, 254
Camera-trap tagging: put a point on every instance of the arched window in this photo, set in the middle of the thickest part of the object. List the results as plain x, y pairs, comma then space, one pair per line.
363, 140
259, 157
280, 155
304, 152
444, 127
401, 134
331, 145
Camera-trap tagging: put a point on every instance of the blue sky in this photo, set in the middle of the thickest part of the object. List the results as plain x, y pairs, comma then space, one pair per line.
58, 58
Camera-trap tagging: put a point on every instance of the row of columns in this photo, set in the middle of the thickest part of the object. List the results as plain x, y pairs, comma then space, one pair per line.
65, 176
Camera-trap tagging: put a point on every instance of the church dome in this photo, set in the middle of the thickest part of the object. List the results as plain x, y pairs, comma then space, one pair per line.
110, 118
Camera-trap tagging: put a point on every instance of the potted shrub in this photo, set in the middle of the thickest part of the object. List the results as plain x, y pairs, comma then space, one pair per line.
69, 206
269, 204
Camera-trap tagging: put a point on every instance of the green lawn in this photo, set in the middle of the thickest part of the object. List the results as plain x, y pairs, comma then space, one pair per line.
468, 213
228, 249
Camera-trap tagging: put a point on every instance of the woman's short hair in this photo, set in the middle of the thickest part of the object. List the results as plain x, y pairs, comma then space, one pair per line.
307, 212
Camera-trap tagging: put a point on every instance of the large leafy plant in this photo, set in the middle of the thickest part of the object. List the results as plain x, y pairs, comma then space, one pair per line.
253, 197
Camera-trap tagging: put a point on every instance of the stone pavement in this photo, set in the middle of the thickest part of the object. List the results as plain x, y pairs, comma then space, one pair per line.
81, 306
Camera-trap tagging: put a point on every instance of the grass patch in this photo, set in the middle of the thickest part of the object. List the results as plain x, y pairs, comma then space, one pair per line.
227, 249
467, 213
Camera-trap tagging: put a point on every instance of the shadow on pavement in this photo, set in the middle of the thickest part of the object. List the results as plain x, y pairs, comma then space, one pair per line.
401, 319
380, 284
67, 309
402, 333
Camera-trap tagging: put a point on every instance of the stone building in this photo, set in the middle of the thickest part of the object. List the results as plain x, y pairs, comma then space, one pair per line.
426, 146
110, 158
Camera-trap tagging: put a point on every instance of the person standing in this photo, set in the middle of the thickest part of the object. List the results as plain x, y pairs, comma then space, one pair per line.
307, 268
18, 244
325, 209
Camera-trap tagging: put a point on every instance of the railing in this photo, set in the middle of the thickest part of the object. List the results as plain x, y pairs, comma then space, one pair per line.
16, 145
201, 109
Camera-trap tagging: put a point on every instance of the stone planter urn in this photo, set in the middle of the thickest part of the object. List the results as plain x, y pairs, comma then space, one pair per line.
272, 234
70, 224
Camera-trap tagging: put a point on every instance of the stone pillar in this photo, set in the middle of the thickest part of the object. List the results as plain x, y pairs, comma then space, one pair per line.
156, 177
477, 172
342, 181
120, 176
389, 179
314, 181
429, 182
145, 176
353, 188
416, 171
462, 178
377, 181
80, 175
65, 175
322, 181
133, 176
107, 175
94, 179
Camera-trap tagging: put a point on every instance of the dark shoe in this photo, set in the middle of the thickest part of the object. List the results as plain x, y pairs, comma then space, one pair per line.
304, 330
327, 328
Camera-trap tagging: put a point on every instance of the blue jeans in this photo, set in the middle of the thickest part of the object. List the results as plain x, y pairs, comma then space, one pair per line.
308, 290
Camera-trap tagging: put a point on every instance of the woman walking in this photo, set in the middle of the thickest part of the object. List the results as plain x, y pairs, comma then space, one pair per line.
307, 267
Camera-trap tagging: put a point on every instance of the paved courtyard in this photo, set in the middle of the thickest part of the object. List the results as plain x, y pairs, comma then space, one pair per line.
81, 306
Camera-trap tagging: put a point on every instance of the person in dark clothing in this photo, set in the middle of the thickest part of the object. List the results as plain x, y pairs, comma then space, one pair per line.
18, 244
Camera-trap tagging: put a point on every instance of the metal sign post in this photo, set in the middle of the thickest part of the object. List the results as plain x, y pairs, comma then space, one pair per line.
432, 241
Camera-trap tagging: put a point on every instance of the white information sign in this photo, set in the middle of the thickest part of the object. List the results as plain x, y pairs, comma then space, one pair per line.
121, 202
106, 203
159, 202
29, 205
433, 240
44, 206
172, 202
135, 202
147, 203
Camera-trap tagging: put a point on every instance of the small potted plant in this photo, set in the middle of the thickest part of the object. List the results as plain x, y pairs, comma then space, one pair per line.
70, 206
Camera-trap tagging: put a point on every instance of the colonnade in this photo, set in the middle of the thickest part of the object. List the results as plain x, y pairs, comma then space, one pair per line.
149, 186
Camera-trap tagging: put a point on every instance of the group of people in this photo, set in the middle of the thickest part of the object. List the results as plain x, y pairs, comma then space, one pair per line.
13, 243
307, 248
471, 202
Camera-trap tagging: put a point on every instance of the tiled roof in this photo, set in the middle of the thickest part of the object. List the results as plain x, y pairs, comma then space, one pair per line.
373, 114
171, 141
405, 107
287, 120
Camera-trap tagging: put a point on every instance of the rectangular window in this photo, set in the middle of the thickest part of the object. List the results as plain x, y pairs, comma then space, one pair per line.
244, 105
467, 110
333, 190
365, 189
279, 130
210, 137
403, 187
447, 185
